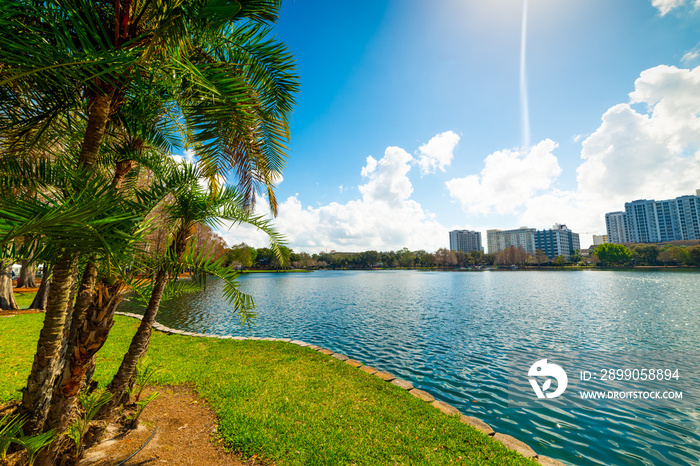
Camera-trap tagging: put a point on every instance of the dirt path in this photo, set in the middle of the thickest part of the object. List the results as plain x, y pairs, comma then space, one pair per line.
185, 427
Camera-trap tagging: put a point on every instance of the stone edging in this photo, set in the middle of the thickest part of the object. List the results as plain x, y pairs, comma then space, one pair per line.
510, 442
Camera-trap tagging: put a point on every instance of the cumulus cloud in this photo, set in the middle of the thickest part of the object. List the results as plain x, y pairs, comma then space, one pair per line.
387, 177
652, 153
437, 153
508, 179
383, 218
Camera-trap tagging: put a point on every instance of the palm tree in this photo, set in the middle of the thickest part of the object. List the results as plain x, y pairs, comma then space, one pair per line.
68, 67
74, 212
191, 205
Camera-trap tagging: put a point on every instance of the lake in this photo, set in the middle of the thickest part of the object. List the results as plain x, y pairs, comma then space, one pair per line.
452, 334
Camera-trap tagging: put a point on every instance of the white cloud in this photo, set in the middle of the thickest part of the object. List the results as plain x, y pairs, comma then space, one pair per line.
188, 156
437, 153
631, 155
664, 6
384, 218
654, 154
691, 55
387, 178
508, 179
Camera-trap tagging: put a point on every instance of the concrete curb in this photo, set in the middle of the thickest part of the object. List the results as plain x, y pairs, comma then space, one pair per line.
510, 442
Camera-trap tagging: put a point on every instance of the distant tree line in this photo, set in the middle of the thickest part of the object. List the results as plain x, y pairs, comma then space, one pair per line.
243, 256
646, 255
247, 257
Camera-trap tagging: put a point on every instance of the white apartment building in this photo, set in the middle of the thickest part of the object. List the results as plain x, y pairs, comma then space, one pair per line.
465, 240
616, 225
498, 240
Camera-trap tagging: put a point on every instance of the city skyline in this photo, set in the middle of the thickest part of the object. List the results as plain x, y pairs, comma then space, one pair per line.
410, 120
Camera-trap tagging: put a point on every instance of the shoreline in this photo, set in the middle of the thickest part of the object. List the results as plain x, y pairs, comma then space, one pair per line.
293, 404
508, 441
642, 268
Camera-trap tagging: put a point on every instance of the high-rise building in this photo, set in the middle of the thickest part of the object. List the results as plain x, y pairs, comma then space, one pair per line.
649, 221
465, 240
616, 226
599, 239
498, 240
558, 241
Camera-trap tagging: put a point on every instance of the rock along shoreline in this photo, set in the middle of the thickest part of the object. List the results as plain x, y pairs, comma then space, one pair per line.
509, 441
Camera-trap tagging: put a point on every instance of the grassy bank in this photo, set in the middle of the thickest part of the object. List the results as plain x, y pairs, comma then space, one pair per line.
282, 402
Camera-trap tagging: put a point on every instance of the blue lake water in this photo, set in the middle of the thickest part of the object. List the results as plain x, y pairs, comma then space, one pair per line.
451, 333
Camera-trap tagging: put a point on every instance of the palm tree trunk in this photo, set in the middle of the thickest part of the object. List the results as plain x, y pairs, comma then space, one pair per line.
26, 275
76, 318
137, 348
36, 398
7, 296
90, 337
62, 406
99, 106
122, 169
42, 296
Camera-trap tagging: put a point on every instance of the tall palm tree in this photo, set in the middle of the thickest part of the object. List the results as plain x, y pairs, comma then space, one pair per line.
69, 65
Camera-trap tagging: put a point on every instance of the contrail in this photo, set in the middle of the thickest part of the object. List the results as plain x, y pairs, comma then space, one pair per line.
523, 81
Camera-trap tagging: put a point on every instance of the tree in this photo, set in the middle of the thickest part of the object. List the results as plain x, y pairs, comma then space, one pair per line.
69, 67
445, 258
263, 257
671, 255
482, 259
42, 295
612, 254
242, 255
191, 206
512, 256
369, 258
464, 259
26, 274
7, 296
644, 254
576, 258
694, 255
406, 258
540, 257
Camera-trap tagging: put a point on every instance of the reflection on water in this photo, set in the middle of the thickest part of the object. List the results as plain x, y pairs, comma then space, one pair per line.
450, 334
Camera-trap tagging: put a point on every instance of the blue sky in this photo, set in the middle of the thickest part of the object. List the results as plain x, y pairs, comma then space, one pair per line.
410, 123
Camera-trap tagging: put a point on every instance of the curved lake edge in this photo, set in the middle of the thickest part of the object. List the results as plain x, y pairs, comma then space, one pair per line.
453, 334
508, 441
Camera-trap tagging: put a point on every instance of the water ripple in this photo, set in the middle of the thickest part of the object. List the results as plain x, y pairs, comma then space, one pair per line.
449, 333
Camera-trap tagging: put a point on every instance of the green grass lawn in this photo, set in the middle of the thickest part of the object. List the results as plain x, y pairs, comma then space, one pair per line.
24, 299
282, 402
